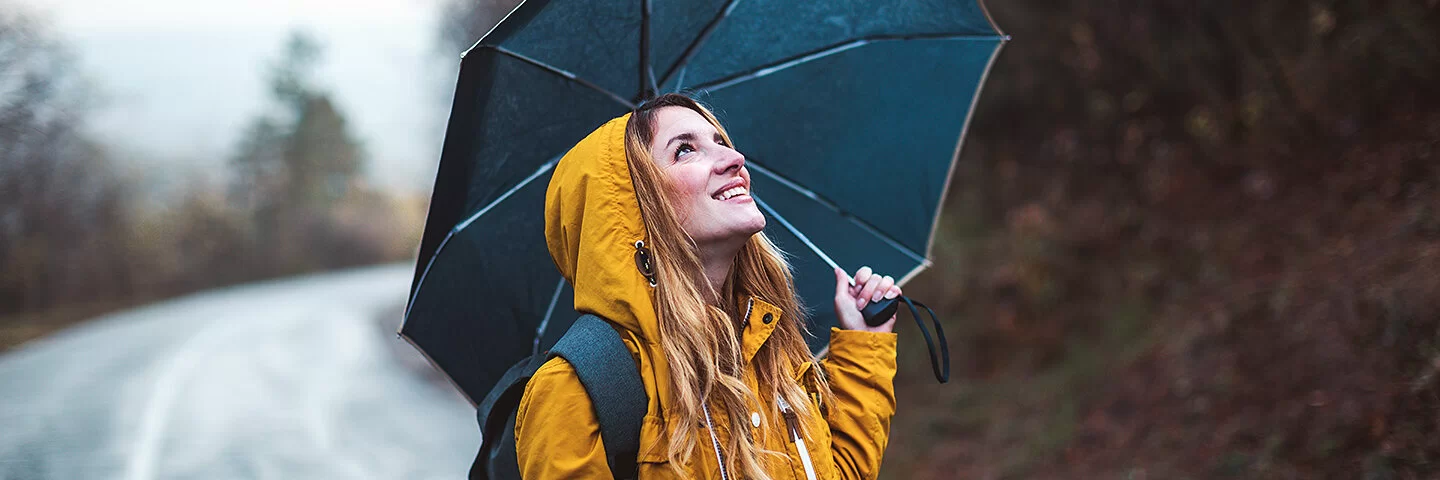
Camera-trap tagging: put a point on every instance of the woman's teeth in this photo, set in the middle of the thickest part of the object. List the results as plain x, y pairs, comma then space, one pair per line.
726, 195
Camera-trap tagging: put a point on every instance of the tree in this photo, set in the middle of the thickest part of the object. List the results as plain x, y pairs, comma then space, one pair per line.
322, 159
62, 208
293, 166
301, 153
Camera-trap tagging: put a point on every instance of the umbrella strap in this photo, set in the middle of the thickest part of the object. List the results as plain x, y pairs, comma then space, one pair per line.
940, 365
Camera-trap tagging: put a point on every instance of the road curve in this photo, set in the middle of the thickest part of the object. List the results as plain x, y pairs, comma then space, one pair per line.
291, 379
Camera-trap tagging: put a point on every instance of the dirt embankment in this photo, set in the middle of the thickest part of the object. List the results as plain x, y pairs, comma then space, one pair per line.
1232, 312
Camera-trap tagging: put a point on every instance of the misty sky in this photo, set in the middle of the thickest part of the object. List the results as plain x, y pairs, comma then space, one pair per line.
179, 79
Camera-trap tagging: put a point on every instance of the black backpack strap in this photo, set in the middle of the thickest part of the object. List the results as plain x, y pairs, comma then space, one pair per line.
497, 457
612, 380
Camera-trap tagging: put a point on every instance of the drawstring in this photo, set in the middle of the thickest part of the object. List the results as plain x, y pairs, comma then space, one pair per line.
941, 365
799, 441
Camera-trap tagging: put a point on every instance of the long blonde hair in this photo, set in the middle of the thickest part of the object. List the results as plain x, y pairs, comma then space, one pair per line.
701, 340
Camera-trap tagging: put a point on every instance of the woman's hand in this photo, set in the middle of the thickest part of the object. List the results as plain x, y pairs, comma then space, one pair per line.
868, 287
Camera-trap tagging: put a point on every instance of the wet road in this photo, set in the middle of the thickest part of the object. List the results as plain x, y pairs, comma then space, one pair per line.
294, 379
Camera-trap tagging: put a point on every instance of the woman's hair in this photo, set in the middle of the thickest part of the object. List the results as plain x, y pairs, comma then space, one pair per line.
702, 340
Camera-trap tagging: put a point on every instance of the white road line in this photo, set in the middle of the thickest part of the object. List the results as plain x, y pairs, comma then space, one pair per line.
155, 416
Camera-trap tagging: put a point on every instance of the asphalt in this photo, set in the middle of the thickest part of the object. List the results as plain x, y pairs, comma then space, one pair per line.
292, 379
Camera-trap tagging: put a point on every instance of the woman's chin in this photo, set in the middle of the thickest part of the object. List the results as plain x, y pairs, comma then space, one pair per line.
743, 232
727, 228
755, 225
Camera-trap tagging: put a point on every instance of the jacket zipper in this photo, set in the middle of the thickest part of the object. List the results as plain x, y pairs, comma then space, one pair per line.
719, 460
793, 424
749, 305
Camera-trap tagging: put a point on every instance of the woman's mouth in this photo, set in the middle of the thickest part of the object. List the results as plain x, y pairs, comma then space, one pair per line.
732, 193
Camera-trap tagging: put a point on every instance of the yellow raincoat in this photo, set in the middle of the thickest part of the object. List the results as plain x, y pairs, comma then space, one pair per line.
592, 221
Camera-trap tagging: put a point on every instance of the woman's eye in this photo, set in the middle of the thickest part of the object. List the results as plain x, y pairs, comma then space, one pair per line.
683, 149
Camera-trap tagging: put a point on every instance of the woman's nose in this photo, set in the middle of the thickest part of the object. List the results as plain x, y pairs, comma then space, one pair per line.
731, 159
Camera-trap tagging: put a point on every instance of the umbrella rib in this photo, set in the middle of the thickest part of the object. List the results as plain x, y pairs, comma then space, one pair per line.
563, 73
752, 74
694, 47
647, 74
836, 208
545, 322
796, 231
922, 265
493, 28
461, 226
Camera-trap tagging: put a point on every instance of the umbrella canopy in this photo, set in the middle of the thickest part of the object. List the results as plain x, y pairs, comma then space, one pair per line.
836, 105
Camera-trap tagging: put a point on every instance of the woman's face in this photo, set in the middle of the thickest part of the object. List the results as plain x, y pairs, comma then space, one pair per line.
710, 186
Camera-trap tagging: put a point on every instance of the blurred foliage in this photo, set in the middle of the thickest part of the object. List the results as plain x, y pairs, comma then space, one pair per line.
61, 209
294, 168
1191, 240
76, 239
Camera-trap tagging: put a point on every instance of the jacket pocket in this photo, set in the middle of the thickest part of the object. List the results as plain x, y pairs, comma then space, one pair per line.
654, 456
654, 448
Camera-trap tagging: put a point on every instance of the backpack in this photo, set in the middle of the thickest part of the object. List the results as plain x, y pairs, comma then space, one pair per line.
611, 379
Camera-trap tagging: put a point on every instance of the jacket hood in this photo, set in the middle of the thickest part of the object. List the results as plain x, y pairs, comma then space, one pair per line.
592, 227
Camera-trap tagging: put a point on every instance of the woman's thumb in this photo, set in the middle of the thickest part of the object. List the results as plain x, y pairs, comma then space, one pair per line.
842, 284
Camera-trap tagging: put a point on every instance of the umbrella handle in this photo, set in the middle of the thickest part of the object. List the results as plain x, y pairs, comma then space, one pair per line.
877, 313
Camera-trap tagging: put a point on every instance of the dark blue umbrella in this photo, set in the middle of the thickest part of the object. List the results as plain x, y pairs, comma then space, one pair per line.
834, 103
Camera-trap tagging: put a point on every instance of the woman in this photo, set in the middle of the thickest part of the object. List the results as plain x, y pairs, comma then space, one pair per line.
650, 220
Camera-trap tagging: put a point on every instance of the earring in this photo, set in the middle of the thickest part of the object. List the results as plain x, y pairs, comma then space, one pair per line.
642, 262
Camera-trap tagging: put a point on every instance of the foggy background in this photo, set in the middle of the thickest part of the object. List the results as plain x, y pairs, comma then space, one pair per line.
1183, 240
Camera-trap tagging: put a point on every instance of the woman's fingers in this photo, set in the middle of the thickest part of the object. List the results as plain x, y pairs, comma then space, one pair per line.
866, 287
861, 276
869, 289
886, 283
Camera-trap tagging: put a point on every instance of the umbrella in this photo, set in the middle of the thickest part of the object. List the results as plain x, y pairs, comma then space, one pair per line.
834, 103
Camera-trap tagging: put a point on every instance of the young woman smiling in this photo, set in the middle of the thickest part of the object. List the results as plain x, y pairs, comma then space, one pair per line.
650, 219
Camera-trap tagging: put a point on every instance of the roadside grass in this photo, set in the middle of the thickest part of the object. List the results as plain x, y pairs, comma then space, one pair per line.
18, 329
1014, 420
1017, 420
